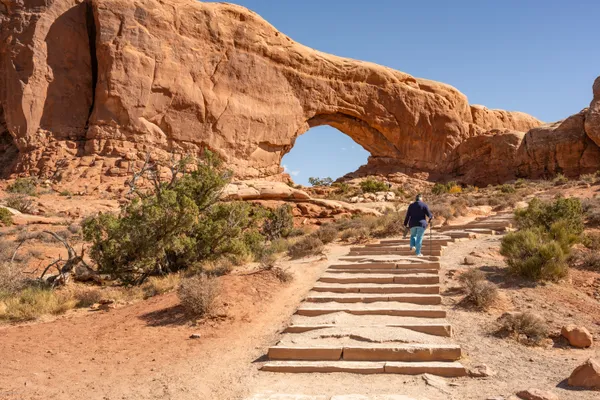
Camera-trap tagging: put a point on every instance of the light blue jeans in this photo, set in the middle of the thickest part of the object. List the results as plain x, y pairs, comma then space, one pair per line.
416, 238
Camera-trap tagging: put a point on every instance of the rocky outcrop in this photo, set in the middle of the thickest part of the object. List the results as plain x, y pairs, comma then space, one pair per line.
111, 80
180, 75
592, 120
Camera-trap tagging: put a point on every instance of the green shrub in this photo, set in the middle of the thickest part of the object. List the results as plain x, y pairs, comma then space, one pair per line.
532, 326
5, 217
197, 294
371, 185
307, 246
439, 188
326, 233
588, 178
65, 193
591, 240
519, 183
591, 209
20, 203
279, 222
480, 292
533, 254
589, 260
178, 224
341, 187
26, 186
278, 246
315, 181
545, 214
507, 188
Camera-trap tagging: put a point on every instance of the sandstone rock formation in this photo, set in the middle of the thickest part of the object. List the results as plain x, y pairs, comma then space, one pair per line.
577, 336
586, 375
107, 81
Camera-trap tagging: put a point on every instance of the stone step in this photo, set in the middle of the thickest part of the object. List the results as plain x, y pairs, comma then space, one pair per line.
389, 258
406, 243
402, 271
462, 235
441, 329
375, 288
388, 266
482, 231
377, 308
320, 297
445, 369
373, 352
407, 279
429, 326
367, 252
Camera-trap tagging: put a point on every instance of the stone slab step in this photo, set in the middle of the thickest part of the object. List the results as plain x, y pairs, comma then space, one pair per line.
373, 352
407, 279
441, 329
320, 297
395, 258
445, 369
378, 308
365, 252
375, 288
402, 271
388, 266
296, 396
482, 231
402, 244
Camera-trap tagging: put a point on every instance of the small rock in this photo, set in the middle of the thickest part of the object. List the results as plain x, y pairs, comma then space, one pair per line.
481, 371
577, 336
195, 336
536, 394
436, 382
496, 398
586, 375
469, 260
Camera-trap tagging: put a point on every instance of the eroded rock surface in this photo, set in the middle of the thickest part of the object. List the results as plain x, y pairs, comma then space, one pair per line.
110, 80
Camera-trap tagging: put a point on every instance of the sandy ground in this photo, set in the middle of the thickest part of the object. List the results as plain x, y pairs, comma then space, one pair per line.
143, 351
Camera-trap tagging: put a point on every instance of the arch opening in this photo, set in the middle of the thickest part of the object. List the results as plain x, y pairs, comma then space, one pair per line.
323, 151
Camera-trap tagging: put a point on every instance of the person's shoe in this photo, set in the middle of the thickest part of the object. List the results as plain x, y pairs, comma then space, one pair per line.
420, 255
411, 249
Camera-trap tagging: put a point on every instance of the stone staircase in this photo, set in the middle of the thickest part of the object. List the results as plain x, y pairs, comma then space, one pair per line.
378, 312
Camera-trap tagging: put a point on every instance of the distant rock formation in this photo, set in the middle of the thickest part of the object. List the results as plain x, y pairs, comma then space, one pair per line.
91, 86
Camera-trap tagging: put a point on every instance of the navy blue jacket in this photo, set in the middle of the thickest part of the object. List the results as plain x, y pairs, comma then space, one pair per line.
417, 215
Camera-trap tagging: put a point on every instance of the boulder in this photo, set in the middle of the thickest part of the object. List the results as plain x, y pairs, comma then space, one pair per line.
592, 120
586, 375
577, 336
481, 371
536, 394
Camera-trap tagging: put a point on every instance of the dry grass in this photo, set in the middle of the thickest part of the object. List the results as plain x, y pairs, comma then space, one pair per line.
157, 285
21, 203
197, 294
34, 302
481, 293
326, 233
526, 327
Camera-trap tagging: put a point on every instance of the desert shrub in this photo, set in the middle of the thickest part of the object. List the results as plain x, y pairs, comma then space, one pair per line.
534, 254
86, 297
532, 326
341, 187
65, 193
507, 188
283, 275
177, 224
591, 209
439, 188
26, 186
560, 179
307, 246
442, 210
591, 240
371, 185
480, 292
11, 279
32, 302
455, 189
75, 229
315, 181
588, 178
156, 285
197, 294
326, 233
356, 234
519, 183
544, 214
279, 222
21, 203
278, 246
5, 217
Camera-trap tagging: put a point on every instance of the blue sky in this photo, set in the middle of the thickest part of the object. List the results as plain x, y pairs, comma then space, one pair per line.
536, 56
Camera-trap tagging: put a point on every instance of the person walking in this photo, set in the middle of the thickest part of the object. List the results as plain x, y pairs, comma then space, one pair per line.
416, 220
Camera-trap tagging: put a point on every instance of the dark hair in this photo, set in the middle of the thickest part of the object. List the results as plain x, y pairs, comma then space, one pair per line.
419, 196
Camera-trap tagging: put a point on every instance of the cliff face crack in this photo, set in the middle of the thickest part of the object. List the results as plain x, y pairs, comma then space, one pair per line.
91, 31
